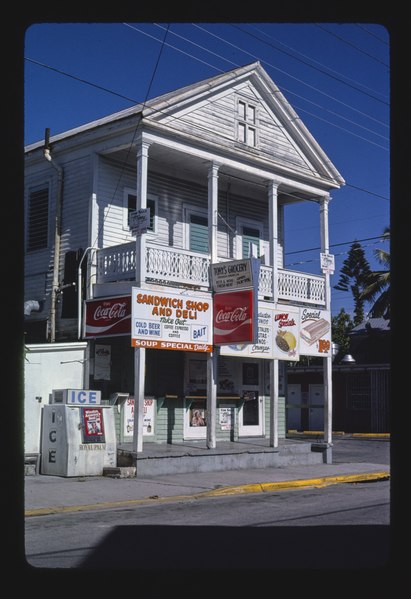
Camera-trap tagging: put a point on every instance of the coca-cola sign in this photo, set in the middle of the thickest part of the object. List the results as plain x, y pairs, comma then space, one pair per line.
235, 318
106, 317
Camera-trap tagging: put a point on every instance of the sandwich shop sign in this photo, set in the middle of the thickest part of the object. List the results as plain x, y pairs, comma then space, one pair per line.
162, 320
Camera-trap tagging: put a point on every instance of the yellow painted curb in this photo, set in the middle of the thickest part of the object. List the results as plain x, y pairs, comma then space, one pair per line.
377, 435
293, 484
45, 511
224, 491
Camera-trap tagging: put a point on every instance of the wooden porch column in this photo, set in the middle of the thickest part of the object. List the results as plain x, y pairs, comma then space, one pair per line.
140, 352
213, 357
327, 362
273, 237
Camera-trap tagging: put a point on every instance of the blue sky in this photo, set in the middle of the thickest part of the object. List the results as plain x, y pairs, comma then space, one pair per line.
336, 76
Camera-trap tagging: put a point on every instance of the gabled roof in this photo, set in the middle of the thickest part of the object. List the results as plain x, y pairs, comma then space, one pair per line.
157, 109
160, 107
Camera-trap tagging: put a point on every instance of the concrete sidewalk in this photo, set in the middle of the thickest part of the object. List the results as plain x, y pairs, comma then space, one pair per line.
53, 494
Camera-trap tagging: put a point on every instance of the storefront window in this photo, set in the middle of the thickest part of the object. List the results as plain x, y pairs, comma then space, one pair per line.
198, 413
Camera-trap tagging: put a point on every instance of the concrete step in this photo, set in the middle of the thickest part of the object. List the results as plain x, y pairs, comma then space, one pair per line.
169, 460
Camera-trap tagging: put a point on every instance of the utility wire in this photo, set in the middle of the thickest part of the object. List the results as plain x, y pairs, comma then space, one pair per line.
372, 34
320, 70
333, 245
352, 45
134, 101
236, 65
132, 141
281, 71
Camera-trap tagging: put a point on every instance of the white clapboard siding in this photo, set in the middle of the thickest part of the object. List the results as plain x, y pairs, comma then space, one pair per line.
74, 224
216, 120
173, 197
76, 202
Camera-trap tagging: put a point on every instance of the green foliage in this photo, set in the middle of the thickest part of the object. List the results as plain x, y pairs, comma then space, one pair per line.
354, 277
341, 325
377, 289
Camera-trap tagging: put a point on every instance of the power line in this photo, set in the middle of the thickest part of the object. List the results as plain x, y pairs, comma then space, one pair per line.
60, 72
283, 72
372, 34
320, 70
339, 253
352, 45
132, 141
231, 62
337, 245
134, 101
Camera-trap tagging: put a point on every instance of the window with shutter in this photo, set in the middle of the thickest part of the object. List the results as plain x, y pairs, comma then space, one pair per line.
250, 237
38, 220
198, 233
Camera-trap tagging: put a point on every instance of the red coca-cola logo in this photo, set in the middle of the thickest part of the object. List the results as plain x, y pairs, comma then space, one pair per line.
233, 317
111, 312
236, 315
106, 317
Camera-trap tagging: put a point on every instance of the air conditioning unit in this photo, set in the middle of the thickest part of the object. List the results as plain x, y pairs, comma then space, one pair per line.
76, 397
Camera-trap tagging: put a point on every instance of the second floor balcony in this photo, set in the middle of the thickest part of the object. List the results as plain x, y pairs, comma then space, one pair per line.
173, 266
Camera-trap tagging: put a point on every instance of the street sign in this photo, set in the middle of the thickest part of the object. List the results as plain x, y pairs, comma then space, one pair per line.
139, 220
327, 263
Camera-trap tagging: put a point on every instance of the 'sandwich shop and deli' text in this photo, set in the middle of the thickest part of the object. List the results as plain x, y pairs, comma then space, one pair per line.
171, 321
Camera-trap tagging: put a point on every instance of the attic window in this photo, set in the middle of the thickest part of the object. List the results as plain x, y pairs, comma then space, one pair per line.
247, 123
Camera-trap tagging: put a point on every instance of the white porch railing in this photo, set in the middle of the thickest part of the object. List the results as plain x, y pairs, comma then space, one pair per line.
172, 265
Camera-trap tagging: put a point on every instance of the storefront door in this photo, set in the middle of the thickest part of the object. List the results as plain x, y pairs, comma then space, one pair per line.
251, 422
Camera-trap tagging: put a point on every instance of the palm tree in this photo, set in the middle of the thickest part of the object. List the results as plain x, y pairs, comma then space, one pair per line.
377, 289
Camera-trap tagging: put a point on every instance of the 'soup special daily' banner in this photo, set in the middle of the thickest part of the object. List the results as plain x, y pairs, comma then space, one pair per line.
161, 320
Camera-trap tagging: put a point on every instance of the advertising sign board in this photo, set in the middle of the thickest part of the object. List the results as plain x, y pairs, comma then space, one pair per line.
106, 317
93, 425
235, 317
148, 417
236, 274
315, 332
278, 335
162, 320
263, 348
286, 333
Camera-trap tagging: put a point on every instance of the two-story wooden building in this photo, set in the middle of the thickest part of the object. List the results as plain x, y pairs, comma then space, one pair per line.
217, 163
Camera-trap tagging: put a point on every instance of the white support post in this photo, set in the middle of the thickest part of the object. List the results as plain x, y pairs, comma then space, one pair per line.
273, 237
140, 352
213, 210
141, 202
139, 374
327, 362
212, 358
211, 398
